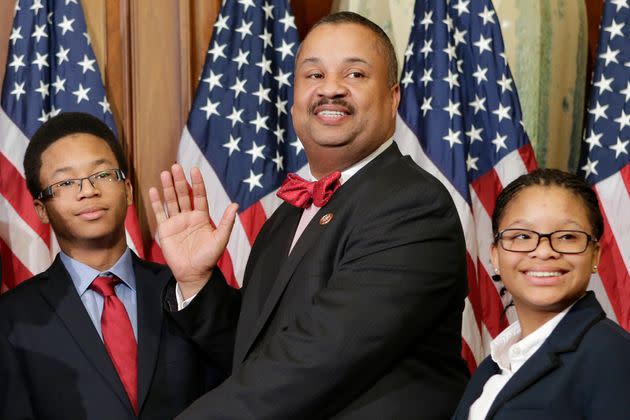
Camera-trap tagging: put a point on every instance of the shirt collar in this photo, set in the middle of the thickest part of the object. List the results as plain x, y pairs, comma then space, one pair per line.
82, 275
349, 172
509, 351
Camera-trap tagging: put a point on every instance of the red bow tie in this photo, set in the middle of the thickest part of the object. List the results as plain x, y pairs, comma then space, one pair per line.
299, 192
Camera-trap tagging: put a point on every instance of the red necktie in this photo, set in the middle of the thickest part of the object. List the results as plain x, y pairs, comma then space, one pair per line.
301, 193
118, 336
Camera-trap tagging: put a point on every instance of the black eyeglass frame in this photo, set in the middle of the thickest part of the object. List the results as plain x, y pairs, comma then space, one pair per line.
47, 193
590, 238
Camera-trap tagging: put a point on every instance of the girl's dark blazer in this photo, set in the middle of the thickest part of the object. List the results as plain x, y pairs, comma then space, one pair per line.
581, 371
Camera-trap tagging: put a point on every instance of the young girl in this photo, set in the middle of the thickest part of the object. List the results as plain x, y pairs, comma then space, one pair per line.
563, 359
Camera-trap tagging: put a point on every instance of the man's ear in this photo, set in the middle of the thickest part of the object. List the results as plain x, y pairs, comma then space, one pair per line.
129, 192
40, 208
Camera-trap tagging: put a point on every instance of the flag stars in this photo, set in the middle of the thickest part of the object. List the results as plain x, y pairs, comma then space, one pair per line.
409, 51
213, 80
451, 79
478, 104
407, 79
471, 163
82, 93
279, 133
210, 108
245, 29
483, 44
59, 84
265, 66
262, 94
452, 138
603, 84
462, 7
427, 20
279, 161
253, 180
41, 60
599, 111
593, 140
620, 147
282, 78
268, 9
39, 32
36, 6
217, 51
298, 146
502, 112
66, 25
626, 92
281, 106
450, 51
15, 35
232, 145
426, 48
62, 55
17, 62
426, 77
241, 58
620, 4
256, 152
487, 15
448, 21
285, 49
623, 120
43, 89
238, 87
105, 107
505, 83
426, 105
88, 40
246, 4
499, 142
266, 38
43, 117
609, 56
260, 122
474, 134
590, 167
288, 21
87, 64
235, 116
452, 109
614, 29
221, 23
459, 37
18, 90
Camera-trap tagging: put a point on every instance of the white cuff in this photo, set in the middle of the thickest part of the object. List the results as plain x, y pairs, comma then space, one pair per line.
181, 302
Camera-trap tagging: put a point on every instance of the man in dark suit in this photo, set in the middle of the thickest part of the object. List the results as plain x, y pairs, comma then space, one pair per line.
66, 351
352, 298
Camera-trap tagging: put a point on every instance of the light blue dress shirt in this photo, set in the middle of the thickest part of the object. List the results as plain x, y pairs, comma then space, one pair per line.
83, 275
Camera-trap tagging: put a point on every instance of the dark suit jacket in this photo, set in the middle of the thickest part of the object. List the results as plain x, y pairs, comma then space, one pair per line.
53, 364
362, 320
582, 371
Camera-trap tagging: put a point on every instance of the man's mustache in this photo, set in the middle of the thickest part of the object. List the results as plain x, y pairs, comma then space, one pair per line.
325, 101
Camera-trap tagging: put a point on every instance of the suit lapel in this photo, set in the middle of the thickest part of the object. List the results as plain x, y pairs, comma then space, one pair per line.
149, 285
58, 290
564, 338
286, 225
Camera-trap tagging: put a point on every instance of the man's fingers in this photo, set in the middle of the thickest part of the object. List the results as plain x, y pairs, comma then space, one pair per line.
157, 205
170, 197
181, 187
200, 200
224, 228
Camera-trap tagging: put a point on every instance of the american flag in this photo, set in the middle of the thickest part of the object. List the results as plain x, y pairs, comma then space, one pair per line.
460, 119
51, 68
239, 130
605, 161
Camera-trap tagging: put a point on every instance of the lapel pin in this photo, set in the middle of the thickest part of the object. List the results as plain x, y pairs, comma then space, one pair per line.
326, 219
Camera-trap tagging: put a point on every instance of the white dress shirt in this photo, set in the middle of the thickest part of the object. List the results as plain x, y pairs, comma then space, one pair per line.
509, 351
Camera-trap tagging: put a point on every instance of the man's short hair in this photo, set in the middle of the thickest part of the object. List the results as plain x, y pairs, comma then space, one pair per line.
381, 36
62, 125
